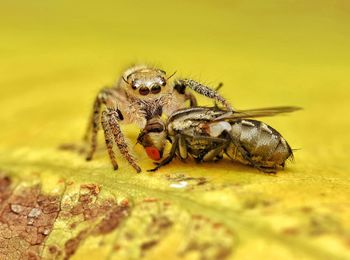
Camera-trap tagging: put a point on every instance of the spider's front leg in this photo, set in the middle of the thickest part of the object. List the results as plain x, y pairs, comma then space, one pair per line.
109, 120
111, 128
181, 89
203, 90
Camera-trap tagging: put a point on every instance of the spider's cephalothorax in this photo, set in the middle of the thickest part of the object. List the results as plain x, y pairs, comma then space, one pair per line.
142, 93
144, 82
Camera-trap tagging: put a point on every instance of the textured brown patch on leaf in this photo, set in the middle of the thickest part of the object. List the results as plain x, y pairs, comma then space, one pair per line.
93, 216
157, 221
5, 190
112, 219
114, 214
72, 244
26, 218
148, 245
208, 239
87, 203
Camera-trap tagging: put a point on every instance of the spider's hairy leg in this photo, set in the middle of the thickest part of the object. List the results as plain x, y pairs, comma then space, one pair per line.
94, 123
94, 118
109, 139
204, 90
191, 98
181, 89
112, 117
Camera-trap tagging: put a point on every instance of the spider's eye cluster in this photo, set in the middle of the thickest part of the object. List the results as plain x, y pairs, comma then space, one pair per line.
155, 89
133, 85
144, 88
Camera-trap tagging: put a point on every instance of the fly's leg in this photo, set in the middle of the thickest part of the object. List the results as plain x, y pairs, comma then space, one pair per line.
170, 157
94, 124
268, 169
246, 156
215, 152
182, 151
204, 90
109, 139
113, 117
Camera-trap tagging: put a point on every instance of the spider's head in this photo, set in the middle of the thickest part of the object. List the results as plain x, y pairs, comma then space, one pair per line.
153, 138
145, 82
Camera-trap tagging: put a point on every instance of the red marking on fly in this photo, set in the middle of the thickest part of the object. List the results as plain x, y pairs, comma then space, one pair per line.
153, 153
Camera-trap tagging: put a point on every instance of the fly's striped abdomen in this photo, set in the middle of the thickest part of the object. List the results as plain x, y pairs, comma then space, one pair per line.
264, 145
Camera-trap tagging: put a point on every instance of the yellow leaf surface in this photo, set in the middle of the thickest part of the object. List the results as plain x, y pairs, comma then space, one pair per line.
56, 55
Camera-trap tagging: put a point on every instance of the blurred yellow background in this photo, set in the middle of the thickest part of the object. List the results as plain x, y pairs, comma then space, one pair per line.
56, 55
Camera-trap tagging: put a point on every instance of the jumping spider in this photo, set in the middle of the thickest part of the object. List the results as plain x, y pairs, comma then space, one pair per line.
142, 93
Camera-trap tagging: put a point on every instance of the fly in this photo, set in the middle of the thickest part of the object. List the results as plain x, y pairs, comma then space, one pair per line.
207, 134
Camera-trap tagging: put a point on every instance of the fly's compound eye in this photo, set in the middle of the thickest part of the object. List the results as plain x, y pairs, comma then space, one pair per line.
153, 153
156, 89
144, 91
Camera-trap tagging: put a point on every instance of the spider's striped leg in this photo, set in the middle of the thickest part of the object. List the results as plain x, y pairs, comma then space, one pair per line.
109, 139
181, 89
94, 123
113, 117
204, 90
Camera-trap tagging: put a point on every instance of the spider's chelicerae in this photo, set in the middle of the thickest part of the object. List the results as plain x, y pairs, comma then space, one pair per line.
142, 92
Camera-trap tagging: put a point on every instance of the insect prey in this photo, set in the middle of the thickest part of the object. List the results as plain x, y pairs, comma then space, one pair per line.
207, 134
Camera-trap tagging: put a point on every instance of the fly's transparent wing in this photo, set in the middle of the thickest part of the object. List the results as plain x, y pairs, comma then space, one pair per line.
258, 112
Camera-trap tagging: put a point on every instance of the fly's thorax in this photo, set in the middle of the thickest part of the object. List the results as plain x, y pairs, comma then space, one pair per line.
196, 113
144, 82
181, 126
190, 119
215, 129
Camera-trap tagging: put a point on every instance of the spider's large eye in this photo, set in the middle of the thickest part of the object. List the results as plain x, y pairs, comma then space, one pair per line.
144, 91
155, 89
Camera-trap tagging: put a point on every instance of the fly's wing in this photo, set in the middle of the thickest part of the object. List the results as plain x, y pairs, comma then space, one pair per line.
258, 112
